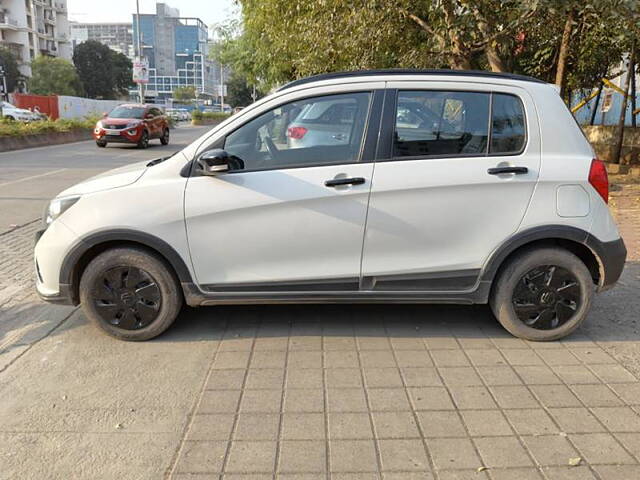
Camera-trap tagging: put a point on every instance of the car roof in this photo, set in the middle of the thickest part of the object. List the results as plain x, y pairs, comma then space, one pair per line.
408, 72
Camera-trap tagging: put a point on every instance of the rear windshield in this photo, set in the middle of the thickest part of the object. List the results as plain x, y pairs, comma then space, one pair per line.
127, 112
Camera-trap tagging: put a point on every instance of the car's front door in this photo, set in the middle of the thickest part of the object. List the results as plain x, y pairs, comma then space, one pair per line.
438, 205
285, 218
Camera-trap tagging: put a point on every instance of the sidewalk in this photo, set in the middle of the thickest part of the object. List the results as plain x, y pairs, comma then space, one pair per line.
310, 392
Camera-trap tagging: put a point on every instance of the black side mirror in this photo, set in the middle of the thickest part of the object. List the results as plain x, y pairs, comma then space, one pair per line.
217, 161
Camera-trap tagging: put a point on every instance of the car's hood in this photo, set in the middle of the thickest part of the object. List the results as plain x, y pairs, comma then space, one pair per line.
118, 177
119, 121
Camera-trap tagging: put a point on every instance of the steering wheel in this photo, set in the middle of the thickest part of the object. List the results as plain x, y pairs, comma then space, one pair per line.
271, 147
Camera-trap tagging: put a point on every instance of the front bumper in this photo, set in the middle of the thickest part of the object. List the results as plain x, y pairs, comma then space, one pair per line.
51, 247
131, 135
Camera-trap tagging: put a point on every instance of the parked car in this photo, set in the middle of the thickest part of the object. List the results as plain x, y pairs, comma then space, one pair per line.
447, 187
174, 114
133, 124
184, 114
11, 112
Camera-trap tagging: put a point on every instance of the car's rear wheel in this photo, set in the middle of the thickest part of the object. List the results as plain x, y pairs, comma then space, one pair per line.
542, 294
130, 293
144, 140
164, 139
101, 143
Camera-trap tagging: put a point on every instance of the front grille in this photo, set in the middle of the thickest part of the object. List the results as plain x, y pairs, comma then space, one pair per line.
115, 127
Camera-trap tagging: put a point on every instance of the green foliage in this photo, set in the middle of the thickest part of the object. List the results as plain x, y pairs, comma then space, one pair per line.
10, 62
184, 95
199, 117
54, 76
18, 129
239, 92
103, 72
279, 40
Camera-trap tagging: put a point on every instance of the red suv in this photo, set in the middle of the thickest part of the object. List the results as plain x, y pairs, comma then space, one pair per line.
132, 123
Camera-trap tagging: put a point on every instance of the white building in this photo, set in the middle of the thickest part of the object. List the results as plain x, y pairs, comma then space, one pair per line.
116, 36
31, 28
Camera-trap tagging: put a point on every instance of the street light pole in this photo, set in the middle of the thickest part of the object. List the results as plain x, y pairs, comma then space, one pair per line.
221, 87
140, 85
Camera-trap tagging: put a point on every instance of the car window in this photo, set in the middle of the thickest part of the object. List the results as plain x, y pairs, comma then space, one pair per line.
311, 131
507, 124
441, 123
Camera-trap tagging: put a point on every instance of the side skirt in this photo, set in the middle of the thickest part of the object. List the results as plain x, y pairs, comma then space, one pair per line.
194, 296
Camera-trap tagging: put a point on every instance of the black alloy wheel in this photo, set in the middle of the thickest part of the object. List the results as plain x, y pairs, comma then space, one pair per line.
546, 297
127, 297
164, 140
144, 140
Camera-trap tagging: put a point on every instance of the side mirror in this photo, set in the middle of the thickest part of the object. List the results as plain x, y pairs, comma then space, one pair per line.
214, 162
149, 116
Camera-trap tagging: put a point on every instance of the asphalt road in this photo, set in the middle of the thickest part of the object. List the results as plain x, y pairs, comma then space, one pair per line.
30, 178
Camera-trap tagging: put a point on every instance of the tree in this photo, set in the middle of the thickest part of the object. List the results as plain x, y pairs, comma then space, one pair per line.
10, 63
103, 72
239, 93
54, 76
184, 94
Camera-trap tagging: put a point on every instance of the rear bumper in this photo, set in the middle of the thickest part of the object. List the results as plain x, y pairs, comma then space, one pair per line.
612, 257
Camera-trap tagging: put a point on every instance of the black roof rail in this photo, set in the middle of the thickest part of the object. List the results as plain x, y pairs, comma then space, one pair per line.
408, 71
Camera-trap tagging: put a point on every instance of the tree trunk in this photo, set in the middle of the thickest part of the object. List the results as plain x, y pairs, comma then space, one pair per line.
494, 58
563, 55
617, 152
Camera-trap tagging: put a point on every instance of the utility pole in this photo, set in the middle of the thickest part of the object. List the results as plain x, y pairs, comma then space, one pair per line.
617, 152
221, 87
139, 42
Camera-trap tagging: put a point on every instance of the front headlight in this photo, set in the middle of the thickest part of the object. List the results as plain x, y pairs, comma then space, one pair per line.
57, 207
99, 124
133, 124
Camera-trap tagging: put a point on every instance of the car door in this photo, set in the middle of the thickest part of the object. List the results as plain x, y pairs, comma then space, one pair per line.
448, 189
284, 219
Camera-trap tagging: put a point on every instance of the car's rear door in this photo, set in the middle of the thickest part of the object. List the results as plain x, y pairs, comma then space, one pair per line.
438, 206
286, 219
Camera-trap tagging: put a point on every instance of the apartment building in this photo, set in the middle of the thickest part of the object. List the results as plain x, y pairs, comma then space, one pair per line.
30, 28
117, 36
177, 49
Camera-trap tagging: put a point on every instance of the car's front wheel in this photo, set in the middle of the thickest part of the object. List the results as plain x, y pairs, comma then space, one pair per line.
542, 294
130, 293
144, 140
101, 143
164, 139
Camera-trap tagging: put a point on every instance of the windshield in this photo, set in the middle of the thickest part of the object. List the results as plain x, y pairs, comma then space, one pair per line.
127, 112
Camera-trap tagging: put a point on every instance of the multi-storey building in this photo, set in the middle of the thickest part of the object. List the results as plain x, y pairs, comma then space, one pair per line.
30, 28
177, 50
117, 36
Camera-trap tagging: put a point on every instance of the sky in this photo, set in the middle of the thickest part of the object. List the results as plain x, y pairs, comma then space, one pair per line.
94, 11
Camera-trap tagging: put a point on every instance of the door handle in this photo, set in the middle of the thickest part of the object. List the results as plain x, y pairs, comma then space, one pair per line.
501, 170
336, 182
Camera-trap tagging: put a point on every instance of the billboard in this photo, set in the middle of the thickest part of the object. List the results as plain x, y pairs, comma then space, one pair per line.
141, 70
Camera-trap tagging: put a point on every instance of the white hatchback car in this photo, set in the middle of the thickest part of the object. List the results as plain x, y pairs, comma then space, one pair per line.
453, 187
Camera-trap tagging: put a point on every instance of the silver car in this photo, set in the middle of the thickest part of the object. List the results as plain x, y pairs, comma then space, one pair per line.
323, 123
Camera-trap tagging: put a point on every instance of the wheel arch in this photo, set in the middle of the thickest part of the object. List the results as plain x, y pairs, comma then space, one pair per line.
89, 247
579, 242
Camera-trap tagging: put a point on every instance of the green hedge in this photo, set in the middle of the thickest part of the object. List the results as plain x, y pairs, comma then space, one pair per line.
11, 128
198, 115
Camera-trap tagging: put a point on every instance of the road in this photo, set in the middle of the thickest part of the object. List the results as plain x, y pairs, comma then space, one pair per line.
30, 178
303, 391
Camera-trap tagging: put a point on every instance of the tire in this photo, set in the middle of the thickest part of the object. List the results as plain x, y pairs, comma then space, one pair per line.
164, 139
101, 144
9, 117
130, 294
144, 140
542, 294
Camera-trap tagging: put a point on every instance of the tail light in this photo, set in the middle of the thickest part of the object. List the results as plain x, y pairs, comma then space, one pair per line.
296, 132
599, 179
